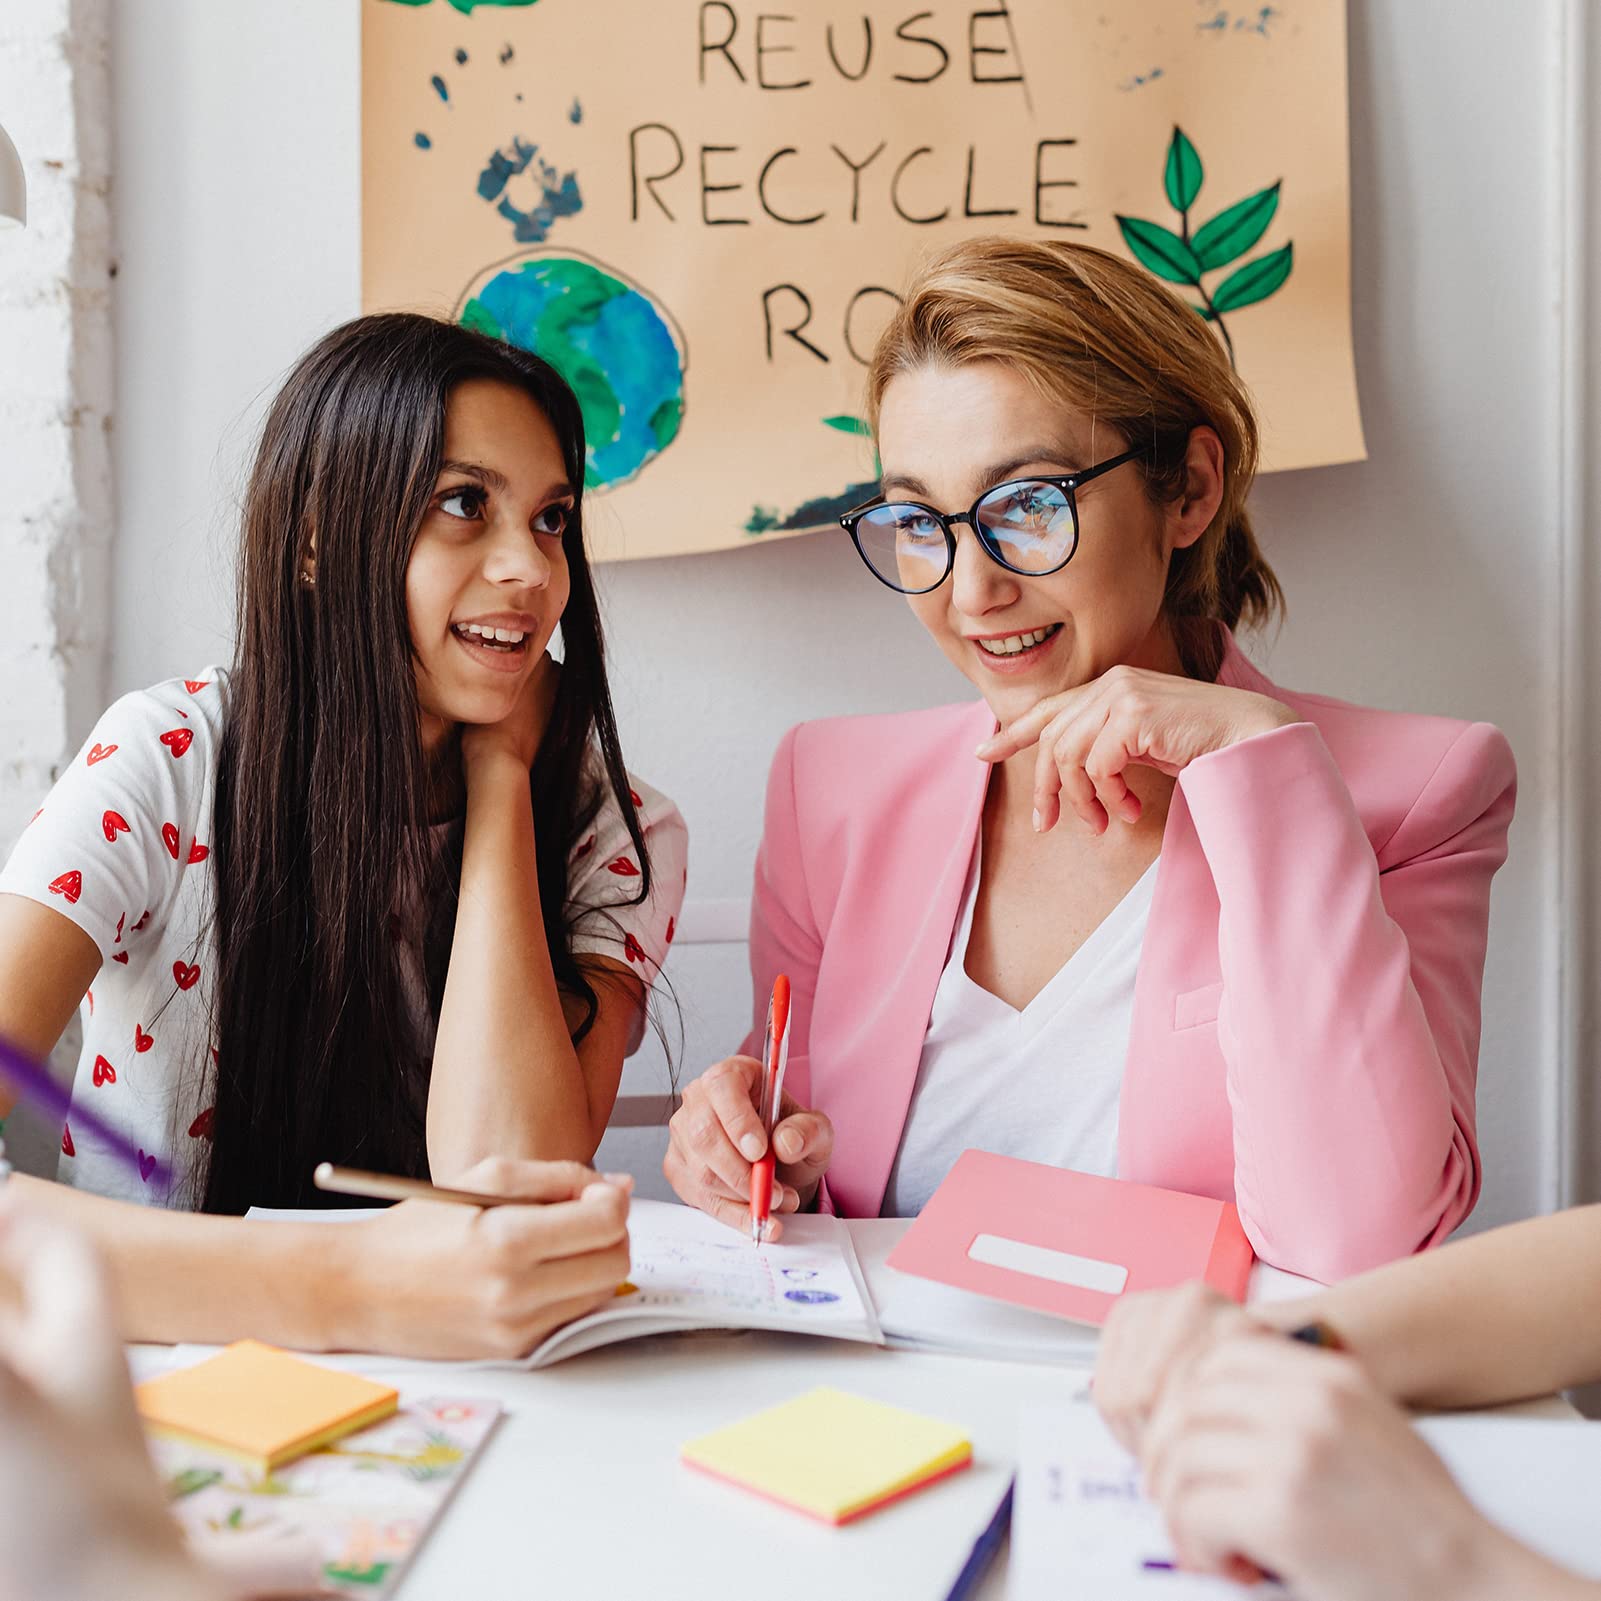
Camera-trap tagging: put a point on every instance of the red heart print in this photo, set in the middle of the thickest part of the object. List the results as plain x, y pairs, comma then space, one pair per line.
187, 977
200, 1129
197, 851
632, 949
672, 927
69, 886
105, 1073
114, 823
122, 917
584, 849
143, 923
121, 956
98, 753
180, 711
67, 1147
195, 685
623, 868
147, 1166
216, 1061
89, 996
636, 797
178, 740
142, 1041
35, 818
169, 838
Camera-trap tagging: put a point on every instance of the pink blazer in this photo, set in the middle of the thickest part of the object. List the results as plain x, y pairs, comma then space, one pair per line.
1306, 1015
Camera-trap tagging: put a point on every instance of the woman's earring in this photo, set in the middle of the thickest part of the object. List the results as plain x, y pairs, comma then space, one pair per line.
307, 579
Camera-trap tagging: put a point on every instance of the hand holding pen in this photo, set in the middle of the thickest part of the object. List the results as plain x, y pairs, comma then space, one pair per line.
718, 1135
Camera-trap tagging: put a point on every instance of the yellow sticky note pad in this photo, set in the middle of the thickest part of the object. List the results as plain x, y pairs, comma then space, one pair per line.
831, 1455
262, 1405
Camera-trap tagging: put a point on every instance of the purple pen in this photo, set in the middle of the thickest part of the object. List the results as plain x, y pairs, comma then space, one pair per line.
33, 1083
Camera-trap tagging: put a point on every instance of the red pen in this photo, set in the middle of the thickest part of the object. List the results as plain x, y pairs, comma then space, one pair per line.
775, 1056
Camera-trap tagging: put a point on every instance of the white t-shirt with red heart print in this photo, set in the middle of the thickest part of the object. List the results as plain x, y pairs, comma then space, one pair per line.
121, 846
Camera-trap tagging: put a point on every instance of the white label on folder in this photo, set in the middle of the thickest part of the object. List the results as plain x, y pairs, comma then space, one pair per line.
1040, 1262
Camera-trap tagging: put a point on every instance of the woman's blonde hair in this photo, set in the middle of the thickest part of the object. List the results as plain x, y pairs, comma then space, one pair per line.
1098, 334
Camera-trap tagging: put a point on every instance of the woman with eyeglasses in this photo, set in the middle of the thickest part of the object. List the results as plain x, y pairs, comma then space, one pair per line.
1136, 910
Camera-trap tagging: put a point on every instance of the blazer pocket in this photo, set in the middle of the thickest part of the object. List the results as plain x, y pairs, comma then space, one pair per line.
1195, 1007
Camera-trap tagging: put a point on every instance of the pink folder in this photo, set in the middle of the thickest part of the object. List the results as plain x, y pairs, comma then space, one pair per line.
1069, 1243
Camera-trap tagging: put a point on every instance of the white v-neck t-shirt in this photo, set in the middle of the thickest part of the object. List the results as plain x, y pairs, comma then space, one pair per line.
1042, 1083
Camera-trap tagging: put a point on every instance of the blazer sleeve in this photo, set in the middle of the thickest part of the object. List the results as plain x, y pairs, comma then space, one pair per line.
1350, 1014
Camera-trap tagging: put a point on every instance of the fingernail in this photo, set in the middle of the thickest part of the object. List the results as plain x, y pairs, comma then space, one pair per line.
623, 1181
750, 1147
985, 748
1036, 820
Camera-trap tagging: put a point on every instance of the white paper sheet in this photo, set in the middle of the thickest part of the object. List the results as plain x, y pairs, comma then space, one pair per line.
1080, 1515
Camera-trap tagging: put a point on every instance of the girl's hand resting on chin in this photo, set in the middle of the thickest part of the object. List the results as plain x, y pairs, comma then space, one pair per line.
518, 735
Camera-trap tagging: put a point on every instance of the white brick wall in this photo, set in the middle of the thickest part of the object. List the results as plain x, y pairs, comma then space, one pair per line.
55, 394
55, 421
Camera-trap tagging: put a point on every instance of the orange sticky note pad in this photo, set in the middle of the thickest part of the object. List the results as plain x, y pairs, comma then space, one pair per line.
262, 1405
831, 1455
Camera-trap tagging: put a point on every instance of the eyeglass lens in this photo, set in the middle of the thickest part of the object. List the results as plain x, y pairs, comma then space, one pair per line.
1030, 523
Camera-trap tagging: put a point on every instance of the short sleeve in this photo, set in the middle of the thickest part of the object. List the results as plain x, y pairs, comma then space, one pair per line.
112, 840
604, 878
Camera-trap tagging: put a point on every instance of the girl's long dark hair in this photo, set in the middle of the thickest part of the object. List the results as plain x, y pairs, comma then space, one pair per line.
327, 888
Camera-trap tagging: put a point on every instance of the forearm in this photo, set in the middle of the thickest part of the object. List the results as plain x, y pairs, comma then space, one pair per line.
1511, 1313
1333, 1054
506, 1078
185, 1276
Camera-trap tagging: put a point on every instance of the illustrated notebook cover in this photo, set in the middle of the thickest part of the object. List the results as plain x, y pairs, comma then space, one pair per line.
1069, 1243
833, 1456
365, 1502
261, 1405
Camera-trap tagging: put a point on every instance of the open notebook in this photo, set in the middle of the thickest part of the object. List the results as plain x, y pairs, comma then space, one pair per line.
691, 1272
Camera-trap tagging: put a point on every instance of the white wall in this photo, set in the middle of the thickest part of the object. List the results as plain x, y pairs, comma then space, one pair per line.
1426, 577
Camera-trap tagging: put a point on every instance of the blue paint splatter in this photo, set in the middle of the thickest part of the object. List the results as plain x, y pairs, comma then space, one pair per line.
461, 58
439, 88
1254, 21
506, 55
423, 141
1139, 80
576, 114
557, 197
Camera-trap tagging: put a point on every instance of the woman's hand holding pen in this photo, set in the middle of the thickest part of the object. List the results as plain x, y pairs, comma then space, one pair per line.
1268, 1455
1148, 1343
458, 1281
717, 1134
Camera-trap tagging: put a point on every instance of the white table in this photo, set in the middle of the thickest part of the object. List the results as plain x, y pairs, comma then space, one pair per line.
580, 1491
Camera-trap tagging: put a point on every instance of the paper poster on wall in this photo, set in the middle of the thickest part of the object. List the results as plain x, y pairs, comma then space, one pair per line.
701, 210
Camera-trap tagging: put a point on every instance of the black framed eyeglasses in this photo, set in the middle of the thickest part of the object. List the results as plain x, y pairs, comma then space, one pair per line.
1027, 525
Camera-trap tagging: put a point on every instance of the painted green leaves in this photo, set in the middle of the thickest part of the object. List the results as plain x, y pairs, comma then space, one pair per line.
1184, 172
1186, 257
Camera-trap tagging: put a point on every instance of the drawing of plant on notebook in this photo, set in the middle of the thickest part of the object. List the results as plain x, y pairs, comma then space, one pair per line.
1187, 257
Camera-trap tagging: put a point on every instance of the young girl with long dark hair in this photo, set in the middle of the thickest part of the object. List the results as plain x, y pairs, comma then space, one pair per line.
382, 893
